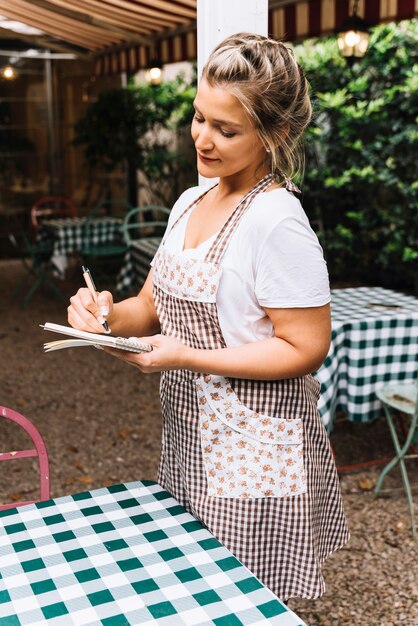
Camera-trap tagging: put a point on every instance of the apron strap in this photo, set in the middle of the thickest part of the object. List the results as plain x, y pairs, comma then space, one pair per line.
188, 208
219, 246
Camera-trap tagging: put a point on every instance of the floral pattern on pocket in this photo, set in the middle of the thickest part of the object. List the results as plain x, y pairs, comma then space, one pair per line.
247, 454
186, 278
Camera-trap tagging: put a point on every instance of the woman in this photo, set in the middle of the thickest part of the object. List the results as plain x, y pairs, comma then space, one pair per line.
236, 307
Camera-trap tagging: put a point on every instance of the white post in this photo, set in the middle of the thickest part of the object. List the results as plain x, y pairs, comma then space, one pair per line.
216, 19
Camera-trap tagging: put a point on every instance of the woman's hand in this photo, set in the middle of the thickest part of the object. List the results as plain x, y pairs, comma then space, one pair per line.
167, 354
85, 314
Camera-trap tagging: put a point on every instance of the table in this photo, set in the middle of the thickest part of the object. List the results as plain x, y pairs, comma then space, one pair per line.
69, 234
374, 340
136, 264
125, 554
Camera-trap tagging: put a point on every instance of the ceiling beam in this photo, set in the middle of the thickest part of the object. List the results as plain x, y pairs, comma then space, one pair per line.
37, 41
130, 23
26, 12
59, 27
86, 19
154, 20
156, 8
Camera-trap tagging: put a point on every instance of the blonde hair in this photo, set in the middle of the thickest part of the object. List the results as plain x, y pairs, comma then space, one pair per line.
264, 76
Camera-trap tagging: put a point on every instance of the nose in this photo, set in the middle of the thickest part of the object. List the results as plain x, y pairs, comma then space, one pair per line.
203, 139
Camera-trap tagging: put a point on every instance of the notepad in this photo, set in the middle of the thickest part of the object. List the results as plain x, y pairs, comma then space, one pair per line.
81, 338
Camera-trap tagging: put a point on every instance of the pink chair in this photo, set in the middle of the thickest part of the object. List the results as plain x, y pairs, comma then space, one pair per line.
39, 451
51, 206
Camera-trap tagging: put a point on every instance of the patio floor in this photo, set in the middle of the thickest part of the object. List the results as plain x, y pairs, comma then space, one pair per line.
101, 423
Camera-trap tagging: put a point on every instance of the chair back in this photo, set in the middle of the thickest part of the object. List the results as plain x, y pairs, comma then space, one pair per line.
38, 451
137, 224
49, 206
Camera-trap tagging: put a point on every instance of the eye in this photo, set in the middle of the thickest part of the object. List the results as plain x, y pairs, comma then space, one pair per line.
198, 119
227, 135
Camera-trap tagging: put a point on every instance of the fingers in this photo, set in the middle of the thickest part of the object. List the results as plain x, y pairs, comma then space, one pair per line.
130, 358
105, 303
83, 312
154, 340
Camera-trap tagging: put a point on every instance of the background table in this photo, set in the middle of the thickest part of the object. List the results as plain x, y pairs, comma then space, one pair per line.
126, 554
374, 339
69, 234
136, 264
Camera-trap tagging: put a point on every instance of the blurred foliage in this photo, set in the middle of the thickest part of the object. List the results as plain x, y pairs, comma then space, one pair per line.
361, 179
14, 147
126, 127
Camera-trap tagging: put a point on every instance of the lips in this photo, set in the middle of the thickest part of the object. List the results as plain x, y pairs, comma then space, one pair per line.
207, 159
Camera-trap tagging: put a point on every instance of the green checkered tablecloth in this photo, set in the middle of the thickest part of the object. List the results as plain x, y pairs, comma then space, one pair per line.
374, 340
136, 264
124, 555
69, 233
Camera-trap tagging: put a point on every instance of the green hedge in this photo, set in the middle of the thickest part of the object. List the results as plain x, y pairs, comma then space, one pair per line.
361, 180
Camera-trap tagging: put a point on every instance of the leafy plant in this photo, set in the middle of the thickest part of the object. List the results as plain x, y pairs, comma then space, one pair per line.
362, 168
125, 127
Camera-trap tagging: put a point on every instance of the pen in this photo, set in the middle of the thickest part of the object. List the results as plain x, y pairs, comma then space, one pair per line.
92, 288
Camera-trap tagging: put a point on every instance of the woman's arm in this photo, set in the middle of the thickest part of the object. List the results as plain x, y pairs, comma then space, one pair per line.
300, 344
134, 316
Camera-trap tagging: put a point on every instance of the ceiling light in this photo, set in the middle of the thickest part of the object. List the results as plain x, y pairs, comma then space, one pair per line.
8, 72
154, 72
353, 37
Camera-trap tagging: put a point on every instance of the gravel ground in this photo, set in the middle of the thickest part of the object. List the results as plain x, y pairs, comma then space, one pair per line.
101, 423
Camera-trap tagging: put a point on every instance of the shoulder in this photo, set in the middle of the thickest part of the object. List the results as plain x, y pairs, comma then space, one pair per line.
275, 207
289, 266
273, 213
278, 230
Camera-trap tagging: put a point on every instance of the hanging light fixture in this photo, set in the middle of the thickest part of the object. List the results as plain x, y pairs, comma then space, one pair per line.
353, 36
154, 72
8, 72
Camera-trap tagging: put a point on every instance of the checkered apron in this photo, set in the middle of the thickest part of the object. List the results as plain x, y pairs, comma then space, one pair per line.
249, 458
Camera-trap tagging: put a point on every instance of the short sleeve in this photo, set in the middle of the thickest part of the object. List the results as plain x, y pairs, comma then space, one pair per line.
290, 270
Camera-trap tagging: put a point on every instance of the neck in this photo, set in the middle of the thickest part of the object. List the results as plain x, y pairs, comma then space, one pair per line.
231, 185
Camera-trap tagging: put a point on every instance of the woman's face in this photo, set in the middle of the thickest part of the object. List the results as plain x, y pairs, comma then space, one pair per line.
225, 140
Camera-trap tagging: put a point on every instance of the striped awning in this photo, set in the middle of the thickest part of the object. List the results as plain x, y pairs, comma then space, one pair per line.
312, 18
91, 26
289, 20
123, 35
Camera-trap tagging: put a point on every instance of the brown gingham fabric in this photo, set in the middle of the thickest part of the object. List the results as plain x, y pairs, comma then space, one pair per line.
283, 541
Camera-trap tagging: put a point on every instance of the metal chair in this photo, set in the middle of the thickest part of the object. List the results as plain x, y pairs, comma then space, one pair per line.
113, 249
401, 398
107, 256
135, 226
37, 263
51, 206
38, 451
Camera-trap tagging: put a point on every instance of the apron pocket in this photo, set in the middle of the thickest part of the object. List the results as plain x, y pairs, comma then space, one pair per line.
247, 454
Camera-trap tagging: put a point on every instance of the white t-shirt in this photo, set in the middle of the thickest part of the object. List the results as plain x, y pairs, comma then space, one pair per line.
273, 260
